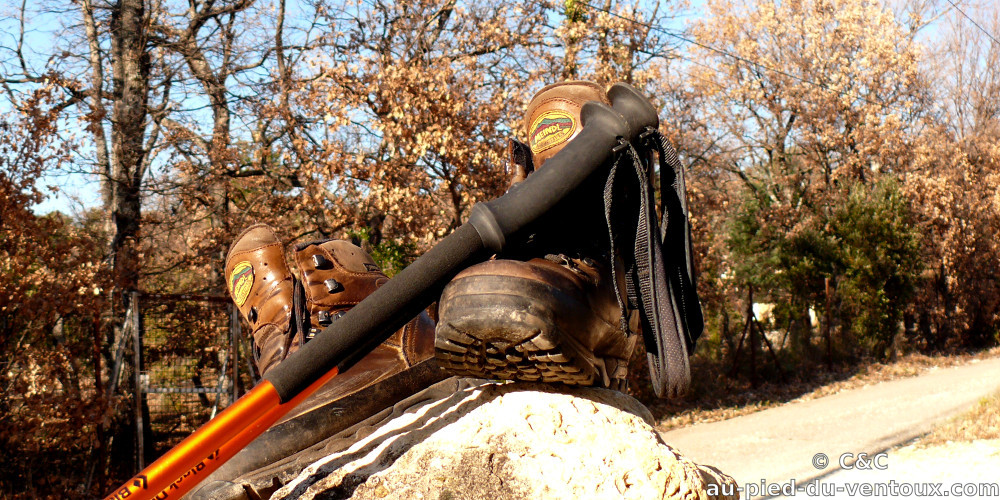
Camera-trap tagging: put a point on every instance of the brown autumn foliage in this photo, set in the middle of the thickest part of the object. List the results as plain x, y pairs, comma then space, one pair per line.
797, 105
53, 282
386, 105
389, 121
959, 301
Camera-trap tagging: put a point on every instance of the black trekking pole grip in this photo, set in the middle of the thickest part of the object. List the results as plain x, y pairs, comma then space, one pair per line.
527, 202
639, 113
491, 225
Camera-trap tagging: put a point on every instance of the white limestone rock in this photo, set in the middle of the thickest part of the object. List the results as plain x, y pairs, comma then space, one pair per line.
475, 439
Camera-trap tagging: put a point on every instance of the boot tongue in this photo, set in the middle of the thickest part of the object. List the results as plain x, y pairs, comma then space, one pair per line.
351, 257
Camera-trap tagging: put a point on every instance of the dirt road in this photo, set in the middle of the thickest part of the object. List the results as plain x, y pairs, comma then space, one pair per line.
780, 444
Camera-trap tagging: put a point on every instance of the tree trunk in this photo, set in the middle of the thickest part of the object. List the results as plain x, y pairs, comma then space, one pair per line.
130, 65
800, 332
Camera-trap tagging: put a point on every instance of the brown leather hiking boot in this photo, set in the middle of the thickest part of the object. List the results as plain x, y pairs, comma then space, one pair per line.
551, 120
284, 313
262, 287
553, 319
336, 275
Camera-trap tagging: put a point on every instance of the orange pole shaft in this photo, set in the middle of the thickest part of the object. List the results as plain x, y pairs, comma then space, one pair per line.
185, 465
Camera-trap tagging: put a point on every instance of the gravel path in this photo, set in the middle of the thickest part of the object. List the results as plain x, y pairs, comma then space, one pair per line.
779, 444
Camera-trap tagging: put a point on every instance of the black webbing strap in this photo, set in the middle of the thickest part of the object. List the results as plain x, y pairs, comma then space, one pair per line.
647, 285
519, 160
609, 192
676, 236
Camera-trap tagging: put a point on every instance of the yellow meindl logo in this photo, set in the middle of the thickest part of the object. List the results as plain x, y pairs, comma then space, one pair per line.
551, 128
240, 282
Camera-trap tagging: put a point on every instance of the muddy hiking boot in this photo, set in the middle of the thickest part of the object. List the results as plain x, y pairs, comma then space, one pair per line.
284, 312
550, 317
570, 306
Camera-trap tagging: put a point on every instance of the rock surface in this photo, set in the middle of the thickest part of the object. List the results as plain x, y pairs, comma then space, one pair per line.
475, 439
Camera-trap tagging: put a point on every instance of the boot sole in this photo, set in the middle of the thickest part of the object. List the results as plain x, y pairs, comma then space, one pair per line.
520, 329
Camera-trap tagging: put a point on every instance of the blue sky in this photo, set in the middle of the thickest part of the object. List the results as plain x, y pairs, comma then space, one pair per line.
78, 191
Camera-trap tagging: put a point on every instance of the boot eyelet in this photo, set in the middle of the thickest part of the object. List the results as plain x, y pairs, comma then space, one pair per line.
333, 286
322, 263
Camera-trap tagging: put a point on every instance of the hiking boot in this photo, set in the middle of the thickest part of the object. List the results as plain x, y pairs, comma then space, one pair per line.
284, 313
552, 319
262, 287
336, 275
552, 118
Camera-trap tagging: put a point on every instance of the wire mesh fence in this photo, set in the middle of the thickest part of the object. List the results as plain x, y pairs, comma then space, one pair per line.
190, 358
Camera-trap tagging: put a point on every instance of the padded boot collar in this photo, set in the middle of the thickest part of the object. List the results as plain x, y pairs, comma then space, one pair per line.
262, 287
552, 118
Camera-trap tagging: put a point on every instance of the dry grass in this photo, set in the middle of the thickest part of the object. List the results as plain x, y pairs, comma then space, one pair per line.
719, 397
981, 422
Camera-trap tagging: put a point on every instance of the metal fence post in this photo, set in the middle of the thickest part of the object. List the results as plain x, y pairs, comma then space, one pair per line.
137, 352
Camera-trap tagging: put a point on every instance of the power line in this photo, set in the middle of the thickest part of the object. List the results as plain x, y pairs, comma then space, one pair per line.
987, 33
727, 54
707, 47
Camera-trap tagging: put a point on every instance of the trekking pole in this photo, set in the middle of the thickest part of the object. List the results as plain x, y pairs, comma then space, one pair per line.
194, 458
492, 226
